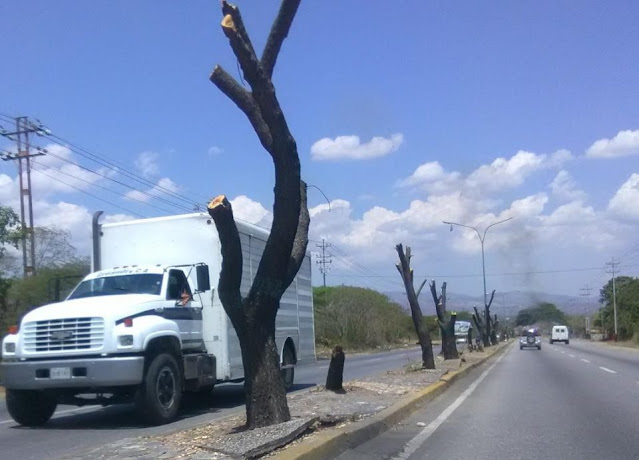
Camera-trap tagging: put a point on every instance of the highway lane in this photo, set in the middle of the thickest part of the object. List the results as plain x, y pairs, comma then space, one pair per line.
76, 429
579, 401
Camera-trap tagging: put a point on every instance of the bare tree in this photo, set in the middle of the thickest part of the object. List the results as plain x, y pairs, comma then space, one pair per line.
253, 317
484, 324
494, 324
446, 322
403, 267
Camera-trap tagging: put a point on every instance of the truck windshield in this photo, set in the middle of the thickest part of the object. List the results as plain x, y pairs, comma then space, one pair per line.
113, 285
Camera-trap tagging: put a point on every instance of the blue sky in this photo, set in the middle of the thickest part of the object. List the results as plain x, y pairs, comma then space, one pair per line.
448, 88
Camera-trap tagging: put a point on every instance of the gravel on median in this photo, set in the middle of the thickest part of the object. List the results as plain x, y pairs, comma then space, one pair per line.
313, 410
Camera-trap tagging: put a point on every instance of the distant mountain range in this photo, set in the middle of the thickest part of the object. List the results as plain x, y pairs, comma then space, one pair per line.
505, 303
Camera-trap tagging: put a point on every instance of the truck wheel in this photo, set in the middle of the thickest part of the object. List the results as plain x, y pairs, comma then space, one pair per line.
288, 375
567, 342
159, 396
30, 407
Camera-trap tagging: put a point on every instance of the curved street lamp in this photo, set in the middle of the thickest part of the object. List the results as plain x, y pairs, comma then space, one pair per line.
482, 238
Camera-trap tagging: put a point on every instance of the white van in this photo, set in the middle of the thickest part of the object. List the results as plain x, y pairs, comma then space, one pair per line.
559, 334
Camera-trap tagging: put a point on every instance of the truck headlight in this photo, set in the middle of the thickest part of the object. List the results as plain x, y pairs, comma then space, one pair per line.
10, 347
125, 340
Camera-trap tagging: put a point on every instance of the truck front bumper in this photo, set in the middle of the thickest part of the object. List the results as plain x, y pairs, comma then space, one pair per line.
72, 373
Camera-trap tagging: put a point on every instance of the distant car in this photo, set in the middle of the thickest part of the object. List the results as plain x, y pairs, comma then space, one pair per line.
530, 339
559, 334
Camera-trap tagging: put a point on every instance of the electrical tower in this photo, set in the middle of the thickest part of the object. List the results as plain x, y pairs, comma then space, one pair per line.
613, 267
324, 261
25, 127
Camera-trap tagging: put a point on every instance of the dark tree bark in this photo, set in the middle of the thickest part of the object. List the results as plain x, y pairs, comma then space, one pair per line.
489, 332
493, 330
403, 267
481, 329
335, 376
253, 317
446, 322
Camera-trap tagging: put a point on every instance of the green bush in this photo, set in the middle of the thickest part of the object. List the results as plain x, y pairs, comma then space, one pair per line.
360, 318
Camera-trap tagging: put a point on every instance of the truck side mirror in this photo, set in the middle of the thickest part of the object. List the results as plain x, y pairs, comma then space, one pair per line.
203, 279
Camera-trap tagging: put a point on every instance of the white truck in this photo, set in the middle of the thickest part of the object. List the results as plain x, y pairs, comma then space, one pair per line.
146, 324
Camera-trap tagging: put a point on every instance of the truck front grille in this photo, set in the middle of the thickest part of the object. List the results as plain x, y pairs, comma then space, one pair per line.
63, 334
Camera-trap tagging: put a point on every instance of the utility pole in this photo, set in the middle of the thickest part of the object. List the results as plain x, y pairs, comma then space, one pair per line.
585, 292
323, 260
25, 127
613, 266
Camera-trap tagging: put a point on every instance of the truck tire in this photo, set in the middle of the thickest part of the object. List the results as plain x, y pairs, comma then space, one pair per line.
567, 342
30, 407
288, 375
158, 398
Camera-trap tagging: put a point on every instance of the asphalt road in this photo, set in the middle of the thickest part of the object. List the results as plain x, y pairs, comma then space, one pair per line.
577, 401
74, 429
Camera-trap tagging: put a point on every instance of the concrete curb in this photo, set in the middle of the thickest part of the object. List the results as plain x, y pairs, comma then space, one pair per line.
332, 442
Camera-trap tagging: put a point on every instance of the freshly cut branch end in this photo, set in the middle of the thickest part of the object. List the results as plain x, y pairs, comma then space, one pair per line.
227, 23
219, 200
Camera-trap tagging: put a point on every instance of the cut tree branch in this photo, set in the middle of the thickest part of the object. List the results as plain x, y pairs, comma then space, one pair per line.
245, 102
301, 237
279, 32
233, 27
421, 286
231, 274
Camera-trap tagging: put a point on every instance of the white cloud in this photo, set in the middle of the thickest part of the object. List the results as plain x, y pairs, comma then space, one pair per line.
502, 173
251, 211
351, 148
215, 150
508, 173
625, 143
147, 164
574, 213
564, 187
164, 186
433, 178
625, 203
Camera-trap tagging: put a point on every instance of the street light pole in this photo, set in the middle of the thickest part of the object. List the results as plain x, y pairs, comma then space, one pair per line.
482, 238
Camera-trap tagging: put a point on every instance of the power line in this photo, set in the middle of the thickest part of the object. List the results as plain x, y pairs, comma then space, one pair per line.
117, 168
58, 171
104, 176
91, 194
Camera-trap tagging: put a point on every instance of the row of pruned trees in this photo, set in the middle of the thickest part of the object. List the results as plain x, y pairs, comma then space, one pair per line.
486, 324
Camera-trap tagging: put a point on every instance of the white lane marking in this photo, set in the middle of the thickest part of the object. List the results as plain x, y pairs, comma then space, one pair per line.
607, 370
585, 360
411, 447
572, 356
563, 352
2, 422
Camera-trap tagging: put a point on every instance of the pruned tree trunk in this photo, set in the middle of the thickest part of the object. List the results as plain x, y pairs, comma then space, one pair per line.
403, 267
335, 376
446, 322
493, 330
489, 331
481, 329
253, 317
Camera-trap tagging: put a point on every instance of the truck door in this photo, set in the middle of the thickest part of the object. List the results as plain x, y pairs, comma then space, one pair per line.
184, 310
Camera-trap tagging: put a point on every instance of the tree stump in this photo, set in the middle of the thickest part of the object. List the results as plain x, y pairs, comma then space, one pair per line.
335, 376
